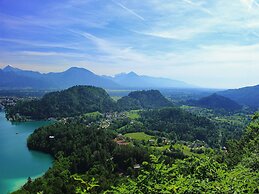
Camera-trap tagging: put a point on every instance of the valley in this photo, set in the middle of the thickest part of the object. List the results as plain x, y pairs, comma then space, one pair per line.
108, 146
129, 97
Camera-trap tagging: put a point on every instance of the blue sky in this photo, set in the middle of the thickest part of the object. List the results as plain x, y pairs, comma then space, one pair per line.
210, 43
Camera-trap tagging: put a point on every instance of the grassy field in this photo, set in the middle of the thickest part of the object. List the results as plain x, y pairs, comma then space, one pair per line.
186, 150
139, 136
133, 114
116, 98
93, 114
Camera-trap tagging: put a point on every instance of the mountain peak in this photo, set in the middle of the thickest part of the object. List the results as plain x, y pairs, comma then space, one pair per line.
78, 69
132, 73
10, 68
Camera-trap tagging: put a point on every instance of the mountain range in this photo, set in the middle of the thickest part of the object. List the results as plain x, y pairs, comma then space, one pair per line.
14, 78
133, 80
248, 96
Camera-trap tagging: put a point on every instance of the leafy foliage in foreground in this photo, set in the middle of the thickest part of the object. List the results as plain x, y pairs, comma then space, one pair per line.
191, 175
88, 161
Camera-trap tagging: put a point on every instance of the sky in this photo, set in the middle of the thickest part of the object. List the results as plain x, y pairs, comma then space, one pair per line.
209, 43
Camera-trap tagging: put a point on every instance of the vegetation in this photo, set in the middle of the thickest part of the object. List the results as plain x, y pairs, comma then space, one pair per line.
142, 100
91, 162
218, 102
83, 99
160, 150
245, 96
81, 147
229, 125
71, 102
139, 136
180, 125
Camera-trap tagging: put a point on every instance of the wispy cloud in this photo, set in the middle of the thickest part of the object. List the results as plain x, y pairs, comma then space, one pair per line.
207, 11
47, 54
129, 10
175, 34
114, 50
206, 43
40, 44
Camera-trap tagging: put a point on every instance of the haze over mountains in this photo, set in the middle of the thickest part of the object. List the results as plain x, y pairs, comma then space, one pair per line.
133, 80
14, 78
248, 96
217, 102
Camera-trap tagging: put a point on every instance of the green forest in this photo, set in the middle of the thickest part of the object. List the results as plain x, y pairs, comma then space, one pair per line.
78, 100
160, 149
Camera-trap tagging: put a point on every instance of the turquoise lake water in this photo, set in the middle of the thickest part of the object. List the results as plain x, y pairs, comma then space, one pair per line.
17, 163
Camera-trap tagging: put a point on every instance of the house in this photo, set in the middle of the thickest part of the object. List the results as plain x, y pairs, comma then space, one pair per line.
137, 166
120, 140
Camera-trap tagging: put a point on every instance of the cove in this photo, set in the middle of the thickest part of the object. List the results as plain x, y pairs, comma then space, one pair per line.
17, 163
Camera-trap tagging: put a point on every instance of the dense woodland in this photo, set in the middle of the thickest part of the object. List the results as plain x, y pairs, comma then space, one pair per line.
71, 102
143, 99
162, 150
83, 99
88, 160
217, 102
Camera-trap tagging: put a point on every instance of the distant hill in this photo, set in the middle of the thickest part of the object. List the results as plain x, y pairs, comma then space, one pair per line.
14, 78
248, 96
143, 99
78, 100
79, 76
218, 102
133, 80
71, 102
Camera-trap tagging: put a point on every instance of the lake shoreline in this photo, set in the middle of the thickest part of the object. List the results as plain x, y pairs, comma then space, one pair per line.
18, 162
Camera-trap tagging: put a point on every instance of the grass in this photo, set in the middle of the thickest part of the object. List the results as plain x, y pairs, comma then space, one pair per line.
133, 114
93, 114
116, 98
186, 150
161, 148
139, 136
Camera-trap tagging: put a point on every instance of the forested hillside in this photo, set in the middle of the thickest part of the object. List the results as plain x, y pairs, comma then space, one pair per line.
71, 102
91, 157
217, 102
181, 125
139, 144
245, 96
83, 99
143, 99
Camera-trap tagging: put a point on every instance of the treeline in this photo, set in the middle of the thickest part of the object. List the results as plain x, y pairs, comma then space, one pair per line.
88, 161
233, 170
71, 102
143, 99
87, 150
83, 99
181, 125
172, 123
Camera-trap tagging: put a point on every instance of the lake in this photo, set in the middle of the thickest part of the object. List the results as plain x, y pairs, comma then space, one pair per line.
17, 163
